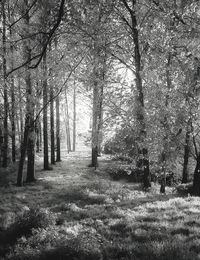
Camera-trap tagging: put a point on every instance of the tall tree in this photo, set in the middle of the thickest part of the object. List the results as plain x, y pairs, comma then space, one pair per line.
5, 89
28, 143
130, 7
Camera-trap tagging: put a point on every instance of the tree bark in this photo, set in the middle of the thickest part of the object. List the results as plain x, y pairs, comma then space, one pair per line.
74, 119
67, 126
45, 119
20, 109
94, 162
196, 180
23, 152
52, 126
5, 91
186, 154
1, 144
58, 154
28, 142
13, 108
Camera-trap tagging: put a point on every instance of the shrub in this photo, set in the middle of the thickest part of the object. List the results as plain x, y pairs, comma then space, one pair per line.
23, 225
123, 158
126, 172
122, 143
184, 189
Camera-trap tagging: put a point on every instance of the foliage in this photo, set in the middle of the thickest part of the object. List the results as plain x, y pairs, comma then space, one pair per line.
122, 142
23, 225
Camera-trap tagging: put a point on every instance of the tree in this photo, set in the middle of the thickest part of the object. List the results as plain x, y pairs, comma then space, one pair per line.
5, 91
139, 99
28, 142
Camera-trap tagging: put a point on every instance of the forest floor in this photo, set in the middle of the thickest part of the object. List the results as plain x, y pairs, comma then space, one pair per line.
76, 212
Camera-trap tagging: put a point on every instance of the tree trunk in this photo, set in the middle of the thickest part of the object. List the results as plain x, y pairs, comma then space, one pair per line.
28, 143
1, 143
5, 92
31, 136
196, 180
94, 162
31, 154
23, 152
186, 156
37, 130
99, 71
100, 112
58, 157
166, 127
140, 110
52, 126
74, 119
13, 107
66, 112
45, 120
20, 109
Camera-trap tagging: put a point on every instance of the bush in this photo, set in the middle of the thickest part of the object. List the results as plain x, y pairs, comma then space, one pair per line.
184, 189
122, 143
75, 242
126, 172
23, 225
123, 158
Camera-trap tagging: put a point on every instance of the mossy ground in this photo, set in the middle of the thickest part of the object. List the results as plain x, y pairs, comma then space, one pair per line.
98, 218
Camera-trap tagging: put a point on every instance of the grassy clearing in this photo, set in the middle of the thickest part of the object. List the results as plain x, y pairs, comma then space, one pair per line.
74, 212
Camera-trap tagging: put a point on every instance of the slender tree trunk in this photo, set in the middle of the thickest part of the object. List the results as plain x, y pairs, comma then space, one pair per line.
37, 136
100, 114
66, 112
23, 152
28, 142
74, 119
20, 109
140, 110
58, 157
31, 153
31, 137
52, 126
1, 144
45, 120
166, 127
13, 107
5, 91
38, 121
186, 154
94, 162
196, 180
18, 126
